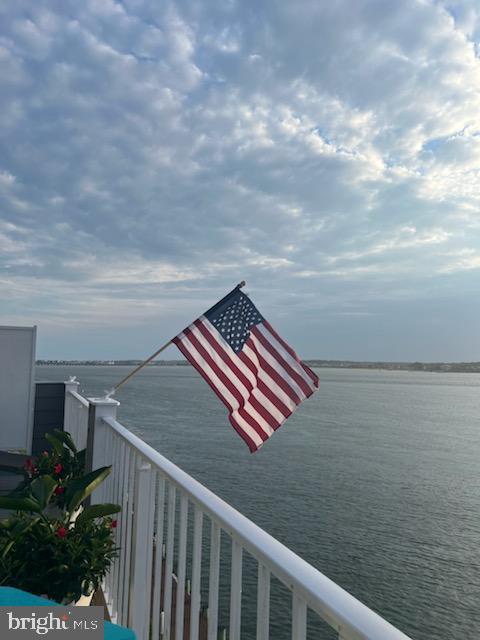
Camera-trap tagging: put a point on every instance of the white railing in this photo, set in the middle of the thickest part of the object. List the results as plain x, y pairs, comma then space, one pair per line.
76, 414
157, 500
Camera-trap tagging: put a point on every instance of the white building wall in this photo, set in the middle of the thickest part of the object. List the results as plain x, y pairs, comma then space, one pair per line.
17, 367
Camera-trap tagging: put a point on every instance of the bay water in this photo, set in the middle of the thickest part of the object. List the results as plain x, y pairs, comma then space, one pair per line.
375, 481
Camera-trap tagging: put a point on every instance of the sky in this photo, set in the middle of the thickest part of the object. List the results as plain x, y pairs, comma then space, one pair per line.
153, 154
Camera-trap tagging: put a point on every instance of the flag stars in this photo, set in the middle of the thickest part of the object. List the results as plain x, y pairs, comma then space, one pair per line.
235, 321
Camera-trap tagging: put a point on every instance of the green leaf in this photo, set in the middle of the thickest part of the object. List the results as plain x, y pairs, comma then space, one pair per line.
97, 511
81, 488
66, 438
22, 526
55, 442
81, 457
63, 568
20, 504
7, 548
21, 489
42, 489
17, 529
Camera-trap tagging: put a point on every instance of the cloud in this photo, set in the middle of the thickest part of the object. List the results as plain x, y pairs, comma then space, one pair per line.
169, 150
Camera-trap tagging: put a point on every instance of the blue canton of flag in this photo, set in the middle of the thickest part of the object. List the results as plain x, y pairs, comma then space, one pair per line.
235, 321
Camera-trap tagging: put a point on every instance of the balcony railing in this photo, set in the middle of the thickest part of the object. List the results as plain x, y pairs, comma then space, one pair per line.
76, 414
154, 493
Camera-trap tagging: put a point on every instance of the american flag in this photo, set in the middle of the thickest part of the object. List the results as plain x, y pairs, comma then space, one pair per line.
252, 370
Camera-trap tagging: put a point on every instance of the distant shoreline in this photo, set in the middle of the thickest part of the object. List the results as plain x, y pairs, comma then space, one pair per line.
435, 367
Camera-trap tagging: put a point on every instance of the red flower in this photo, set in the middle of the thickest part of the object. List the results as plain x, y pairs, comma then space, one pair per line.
58, 469
59, 490
61, 532
114, 524
28, 464
45, 454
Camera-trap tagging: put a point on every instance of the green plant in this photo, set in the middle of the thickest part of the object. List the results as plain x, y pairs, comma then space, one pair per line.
54, 543
63, 463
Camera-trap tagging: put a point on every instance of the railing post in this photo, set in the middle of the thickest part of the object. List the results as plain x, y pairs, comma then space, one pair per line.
97, 453
68, 409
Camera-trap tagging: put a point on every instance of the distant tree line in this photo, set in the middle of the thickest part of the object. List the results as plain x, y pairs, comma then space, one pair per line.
439, 367
112, 363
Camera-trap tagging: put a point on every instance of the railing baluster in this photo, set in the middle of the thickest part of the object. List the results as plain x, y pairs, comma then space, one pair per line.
299, 618
196, 574
128, 541
182, 557
73, 420
117, 468
141, 547
124, 524
107, 460
214, 581
74, 417
236, 592
167, 598
156, 618
82, 426
109, 498
114, 474
109, 437
263, 603
149, 543
120, 489
78, 416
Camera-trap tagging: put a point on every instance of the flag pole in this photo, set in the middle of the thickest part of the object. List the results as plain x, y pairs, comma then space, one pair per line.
162, 348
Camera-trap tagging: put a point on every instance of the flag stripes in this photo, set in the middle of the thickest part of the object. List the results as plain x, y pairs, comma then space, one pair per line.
261, 385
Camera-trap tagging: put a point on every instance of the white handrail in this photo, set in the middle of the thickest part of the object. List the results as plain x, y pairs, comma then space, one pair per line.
336, 606
78, 397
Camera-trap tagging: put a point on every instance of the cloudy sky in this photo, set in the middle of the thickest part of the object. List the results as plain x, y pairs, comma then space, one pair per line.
154, 153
